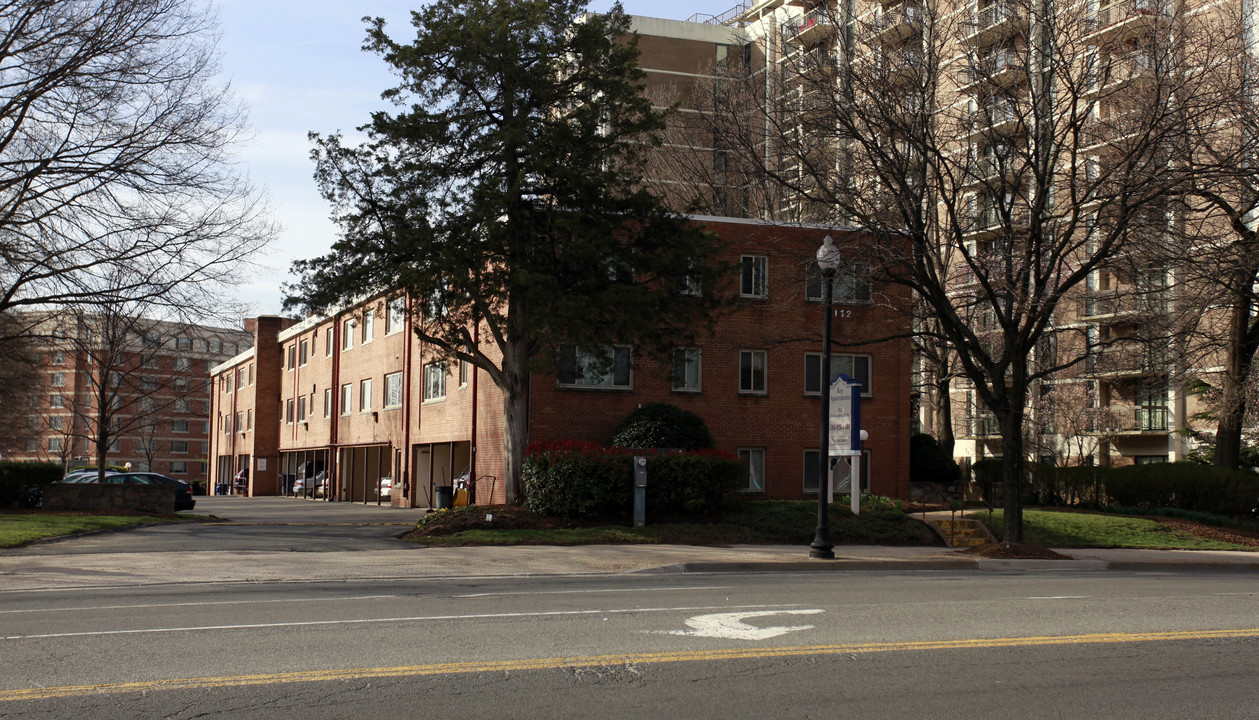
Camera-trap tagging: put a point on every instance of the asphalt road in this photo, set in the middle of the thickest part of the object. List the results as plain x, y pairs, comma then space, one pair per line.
870, 645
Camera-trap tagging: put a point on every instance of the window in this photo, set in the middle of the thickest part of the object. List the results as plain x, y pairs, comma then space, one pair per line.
369, 326
851, 284
754, 271
54, 445
54, 423
288, 411
393, 390
251, 373
179, 426
149, 361
435, 381
148, 382
183, 343
686, 369
56, 401
179, 447
600, 366
152, 340
182, 363
205, 427
755, 459
856, 367
227, 382
365, 395
59, 358
147, 404
752, 371
178, 467
215, 346
301, 408
347, 335
180, 405
292, 356
249, 419
327, 402
58, 380
303, 352
394, 316
347, 398
463, 373
327, 342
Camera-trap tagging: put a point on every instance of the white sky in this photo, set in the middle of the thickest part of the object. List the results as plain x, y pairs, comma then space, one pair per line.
298, 67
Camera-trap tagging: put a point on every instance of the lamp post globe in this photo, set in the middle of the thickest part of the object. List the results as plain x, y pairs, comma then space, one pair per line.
827, 263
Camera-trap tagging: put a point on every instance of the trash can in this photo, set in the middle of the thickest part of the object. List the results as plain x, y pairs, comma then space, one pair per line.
444, 497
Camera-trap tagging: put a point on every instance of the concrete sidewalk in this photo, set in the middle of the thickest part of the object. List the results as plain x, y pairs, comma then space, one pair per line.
31, 572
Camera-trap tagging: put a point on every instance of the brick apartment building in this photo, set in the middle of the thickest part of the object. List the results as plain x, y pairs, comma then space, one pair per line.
353, 395
154, 375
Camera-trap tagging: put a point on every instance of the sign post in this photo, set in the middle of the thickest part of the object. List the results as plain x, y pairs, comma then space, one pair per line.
845, 433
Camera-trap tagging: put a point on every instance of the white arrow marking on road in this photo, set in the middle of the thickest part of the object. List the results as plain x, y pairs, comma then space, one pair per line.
731, 625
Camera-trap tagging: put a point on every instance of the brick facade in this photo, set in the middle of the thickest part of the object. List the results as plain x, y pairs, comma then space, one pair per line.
426, 442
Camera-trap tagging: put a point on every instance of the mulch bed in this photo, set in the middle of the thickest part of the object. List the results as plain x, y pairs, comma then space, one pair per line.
1229, 535
1015, 551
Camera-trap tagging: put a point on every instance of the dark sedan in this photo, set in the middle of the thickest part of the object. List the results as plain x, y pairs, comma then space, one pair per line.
183, 491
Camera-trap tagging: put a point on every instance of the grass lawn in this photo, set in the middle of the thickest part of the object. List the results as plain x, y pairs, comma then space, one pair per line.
19, 528
1053, 528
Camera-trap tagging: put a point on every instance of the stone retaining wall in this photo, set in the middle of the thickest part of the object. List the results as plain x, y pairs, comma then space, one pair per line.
92, 497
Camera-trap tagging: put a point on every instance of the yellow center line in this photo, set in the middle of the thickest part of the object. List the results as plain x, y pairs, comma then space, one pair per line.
452, 668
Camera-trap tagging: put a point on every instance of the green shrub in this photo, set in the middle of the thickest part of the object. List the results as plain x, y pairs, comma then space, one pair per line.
987, 475
1069, 486
1184, 486
927, 462
22, 483
661, 425
583, 481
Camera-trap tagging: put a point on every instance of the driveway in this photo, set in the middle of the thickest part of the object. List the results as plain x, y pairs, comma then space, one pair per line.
267, 524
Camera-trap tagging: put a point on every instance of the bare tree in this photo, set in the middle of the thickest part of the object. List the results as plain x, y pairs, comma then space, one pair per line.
18, 362
997, 158
114, 154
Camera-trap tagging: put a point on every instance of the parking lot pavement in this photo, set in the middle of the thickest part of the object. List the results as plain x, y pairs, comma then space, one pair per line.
280, 510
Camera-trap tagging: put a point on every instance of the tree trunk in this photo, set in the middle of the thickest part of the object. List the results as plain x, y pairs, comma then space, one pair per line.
1012, 467
1239, 356
515, 420
944, 417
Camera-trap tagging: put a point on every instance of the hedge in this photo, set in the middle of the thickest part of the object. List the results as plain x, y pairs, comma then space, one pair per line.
1185, 486
22, 483
585, 481
661, 425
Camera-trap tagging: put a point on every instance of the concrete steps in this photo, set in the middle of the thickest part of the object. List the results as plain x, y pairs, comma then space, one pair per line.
962, 532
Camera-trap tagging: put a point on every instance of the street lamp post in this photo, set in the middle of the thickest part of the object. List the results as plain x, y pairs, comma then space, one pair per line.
827, 263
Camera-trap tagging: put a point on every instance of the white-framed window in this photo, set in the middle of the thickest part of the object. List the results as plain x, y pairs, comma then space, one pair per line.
393, 390
183, 342
179, 467
182, 363
179, 447
463, 373
347, 335
328, 343
54, 422
59, 358
215, 346
327, 402
686, 369
181, 385
598, 366
181, 405
301, 408
755, 460
54, 444
289, 411
754, 276
365, 395
179, 426
435, 381
56, 401
347, 398
251, 373
249, 419
149, 362
369, 326
752, 372
292, 364
856, 367
303, 353
58, 379
395, 315
148, 382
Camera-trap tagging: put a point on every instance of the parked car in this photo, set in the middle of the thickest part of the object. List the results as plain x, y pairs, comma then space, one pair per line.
385, 488
183, 491
315, 487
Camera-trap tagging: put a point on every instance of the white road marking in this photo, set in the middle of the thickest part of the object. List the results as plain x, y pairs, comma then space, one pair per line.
193, 604
365, 621
1058, 597
731, 625
582, 592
